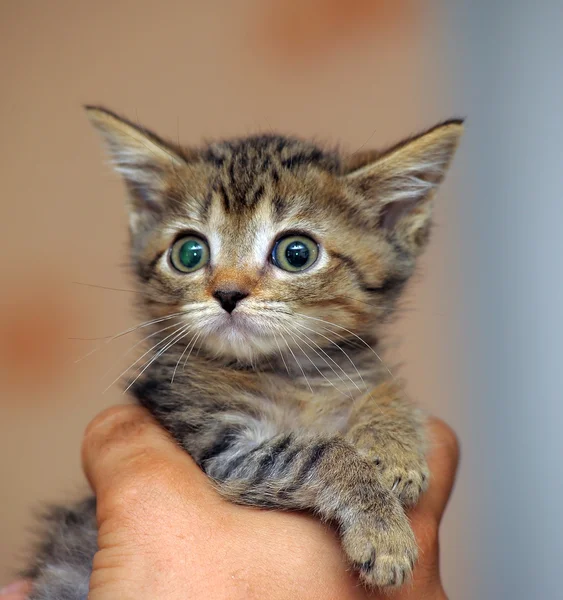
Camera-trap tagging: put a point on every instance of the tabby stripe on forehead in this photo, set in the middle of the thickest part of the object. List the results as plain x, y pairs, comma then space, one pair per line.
302, 158
174, 198
256, 195
232, 171
225, 198
275, 175
217, 161
206, 206
280, 207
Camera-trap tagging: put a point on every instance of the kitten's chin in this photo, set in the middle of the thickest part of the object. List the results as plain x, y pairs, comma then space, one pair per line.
239, 337
245, 348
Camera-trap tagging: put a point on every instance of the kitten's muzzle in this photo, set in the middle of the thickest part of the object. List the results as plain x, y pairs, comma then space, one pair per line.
228, 299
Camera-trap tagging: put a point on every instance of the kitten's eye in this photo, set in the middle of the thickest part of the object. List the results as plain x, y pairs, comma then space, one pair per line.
295, 253
189, 254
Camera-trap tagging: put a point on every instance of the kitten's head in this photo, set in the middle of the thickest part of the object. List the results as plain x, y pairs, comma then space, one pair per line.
267, 243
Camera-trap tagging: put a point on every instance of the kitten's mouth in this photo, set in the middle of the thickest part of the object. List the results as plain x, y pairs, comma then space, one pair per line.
240, 334
241, 323
244, 334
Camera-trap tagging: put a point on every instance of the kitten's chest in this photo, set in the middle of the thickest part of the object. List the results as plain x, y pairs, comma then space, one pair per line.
321, 410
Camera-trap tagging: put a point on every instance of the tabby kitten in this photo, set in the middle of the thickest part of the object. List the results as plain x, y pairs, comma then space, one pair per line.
265, 266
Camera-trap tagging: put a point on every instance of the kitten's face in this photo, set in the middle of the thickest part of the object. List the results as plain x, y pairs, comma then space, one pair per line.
290, 254
268, 245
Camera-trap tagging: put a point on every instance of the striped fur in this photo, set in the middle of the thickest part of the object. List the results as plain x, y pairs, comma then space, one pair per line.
285, 402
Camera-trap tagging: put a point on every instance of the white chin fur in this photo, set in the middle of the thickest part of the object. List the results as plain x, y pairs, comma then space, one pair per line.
242, 346
237, 337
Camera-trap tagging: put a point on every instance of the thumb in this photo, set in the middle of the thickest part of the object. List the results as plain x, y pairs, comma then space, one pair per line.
126, 454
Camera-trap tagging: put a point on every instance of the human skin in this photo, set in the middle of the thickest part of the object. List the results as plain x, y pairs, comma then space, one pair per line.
164, 532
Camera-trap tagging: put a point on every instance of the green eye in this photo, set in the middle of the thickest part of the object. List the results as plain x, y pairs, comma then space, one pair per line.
189, 254
295, 253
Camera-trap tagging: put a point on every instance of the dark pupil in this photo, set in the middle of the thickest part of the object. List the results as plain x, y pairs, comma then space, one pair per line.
297, 254
190, 254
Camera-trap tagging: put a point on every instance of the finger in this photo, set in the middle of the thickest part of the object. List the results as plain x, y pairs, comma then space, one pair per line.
443, 460
126, 451
17, 590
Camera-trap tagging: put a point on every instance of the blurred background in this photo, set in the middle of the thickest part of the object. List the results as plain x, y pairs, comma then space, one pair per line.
481, 331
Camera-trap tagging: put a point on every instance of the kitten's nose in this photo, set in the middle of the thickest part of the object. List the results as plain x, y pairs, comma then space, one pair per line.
229, 299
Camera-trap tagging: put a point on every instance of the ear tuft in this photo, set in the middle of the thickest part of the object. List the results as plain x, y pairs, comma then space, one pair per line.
397, 186
130, 144
144, 160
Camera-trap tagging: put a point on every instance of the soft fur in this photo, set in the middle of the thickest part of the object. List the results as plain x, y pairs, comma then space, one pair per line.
285, 402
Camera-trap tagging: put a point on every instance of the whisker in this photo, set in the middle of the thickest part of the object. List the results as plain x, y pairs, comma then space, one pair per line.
191, 350
339, 347
178, 362
279, 348
297, 362
367, 390
352, 334
329, 358
139, 343
177, 337
197, 354
363, 302
103, 287
86, 355
141, 357
365, 143
191, 342
314, 365
126, 353
110, 338
146, 324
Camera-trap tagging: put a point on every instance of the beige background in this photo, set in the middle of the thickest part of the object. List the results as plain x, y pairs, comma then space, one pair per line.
357, 72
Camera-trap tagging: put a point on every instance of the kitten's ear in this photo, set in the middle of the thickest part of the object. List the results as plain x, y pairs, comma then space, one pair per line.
143, 159
398, 185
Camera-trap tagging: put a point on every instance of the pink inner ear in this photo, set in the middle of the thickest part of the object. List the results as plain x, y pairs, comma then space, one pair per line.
392, 212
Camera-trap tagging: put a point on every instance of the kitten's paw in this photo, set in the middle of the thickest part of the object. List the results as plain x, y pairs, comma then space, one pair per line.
384, 553
405, 473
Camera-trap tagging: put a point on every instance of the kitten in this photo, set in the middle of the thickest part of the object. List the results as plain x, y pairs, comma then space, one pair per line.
265, 265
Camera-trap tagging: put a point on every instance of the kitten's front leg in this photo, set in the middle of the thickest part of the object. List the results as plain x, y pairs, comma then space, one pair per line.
325, 475
253, 463
387, 429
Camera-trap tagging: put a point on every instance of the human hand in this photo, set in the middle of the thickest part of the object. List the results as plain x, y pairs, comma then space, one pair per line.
165, 533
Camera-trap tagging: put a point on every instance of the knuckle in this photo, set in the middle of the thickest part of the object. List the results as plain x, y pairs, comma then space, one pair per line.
115, 425
122, 447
